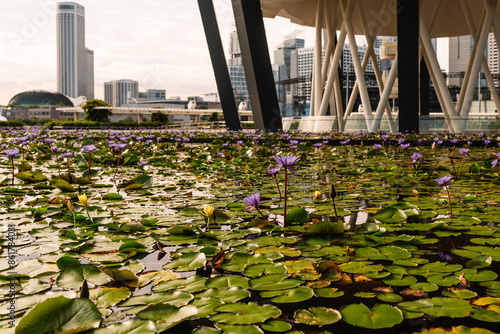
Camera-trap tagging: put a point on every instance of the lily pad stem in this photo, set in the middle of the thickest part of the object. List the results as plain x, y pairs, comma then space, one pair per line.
12, 160
284, 200
449, 200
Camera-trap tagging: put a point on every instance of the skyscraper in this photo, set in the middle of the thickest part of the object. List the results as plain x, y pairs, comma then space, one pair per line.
117, 92
89, 56
73, 71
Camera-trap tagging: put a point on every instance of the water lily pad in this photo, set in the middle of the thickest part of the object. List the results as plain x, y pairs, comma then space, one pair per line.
480, 261
295, 295
206, 306
244, 314
191, 284
187, 262
177, 298
390, 215
380, 316
276, 326
131, 326
424, 287
389, 253
297, 215
240, 329
73, 276
256, 270
169, 315
274, 282
389, 297
443, 280
328, 292
485, 315
325, 228
106, 297
63, 185
240, 261
73, 315
318, 316
231, 295
399, 280
224, 282
472, 275
448, 307
460, 293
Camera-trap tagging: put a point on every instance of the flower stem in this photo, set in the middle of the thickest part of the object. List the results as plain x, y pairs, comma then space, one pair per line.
284, 201
449, 201
58, 165
90, 162
88, 214
278, 185
260, 213
12, 159
461, 165
117, 164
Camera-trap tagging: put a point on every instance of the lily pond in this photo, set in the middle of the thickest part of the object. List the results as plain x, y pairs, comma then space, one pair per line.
156, 231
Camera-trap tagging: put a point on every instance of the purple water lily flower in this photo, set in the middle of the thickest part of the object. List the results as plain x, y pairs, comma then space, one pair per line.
444, 255
54, 149
11, 152
274, 170
405, 146
286, 162
463, 151
66, 154
120, 146
377, 146
445, 180
89, 148
252, 201
143, 163
494, 163
415, 157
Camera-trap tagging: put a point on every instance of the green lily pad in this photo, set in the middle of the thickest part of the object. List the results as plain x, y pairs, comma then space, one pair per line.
297, 215
390, 215
389, 297
231, 295
240, 261
399, 280
191, 284
443, 280
73, 315
244, 314
380, 316
485, 315
472, 275
460, 293
274, 282
318, 316
295, 295
328, 292
424, 287
73, 276
131, 326
63, 185
206, 306
480, 261
240, 329
325, 228
276, 326
177, 298
169, 315
256, 270
187, 262
448, 307
224, 282
112, 196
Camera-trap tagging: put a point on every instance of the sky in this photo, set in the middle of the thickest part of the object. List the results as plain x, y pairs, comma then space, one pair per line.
159, 43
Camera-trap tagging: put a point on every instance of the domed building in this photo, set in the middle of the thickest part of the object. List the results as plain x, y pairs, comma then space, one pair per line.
40, 98
39, 104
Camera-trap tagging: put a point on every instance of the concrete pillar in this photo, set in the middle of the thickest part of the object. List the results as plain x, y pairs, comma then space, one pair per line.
409, 60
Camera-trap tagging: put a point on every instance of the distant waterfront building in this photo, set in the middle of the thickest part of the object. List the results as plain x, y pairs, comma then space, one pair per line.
73, 69
38, 104
459, 52
118, 92
493, 60
90, 73
155, 94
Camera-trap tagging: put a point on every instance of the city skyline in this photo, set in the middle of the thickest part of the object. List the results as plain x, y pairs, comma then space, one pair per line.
146, 46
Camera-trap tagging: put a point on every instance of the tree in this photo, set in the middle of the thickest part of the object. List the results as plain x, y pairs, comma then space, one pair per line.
96, 115
214, 117
160, 117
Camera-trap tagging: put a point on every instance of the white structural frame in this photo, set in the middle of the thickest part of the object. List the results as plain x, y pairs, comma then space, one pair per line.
326, 85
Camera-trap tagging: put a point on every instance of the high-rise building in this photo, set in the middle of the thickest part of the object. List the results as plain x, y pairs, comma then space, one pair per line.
117, 92
155, 94
493, 61
72, 74
90, 73
236, 70
304, 59
282, 52
459, 52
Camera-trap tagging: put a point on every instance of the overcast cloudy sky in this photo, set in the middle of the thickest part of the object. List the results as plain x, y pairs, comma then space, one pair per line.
160, 43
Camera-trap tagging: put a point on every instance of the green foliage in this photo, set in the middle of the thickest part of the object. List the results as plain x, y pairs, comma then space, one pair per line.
160, 117
96, 115
214, 117
12, 124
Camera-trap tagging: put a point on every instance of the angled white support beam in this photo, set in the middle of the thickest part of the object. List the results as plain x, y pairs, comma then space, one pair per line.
317, 86
360, 75
384, 97
333, 71
436, 75
484, 62
468, 71
476, 65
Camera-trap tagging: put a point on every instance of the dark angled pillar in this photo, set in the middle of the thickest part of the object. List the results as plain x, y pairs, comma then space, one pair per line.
219, 65
424, 89
409, 60
257, 64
